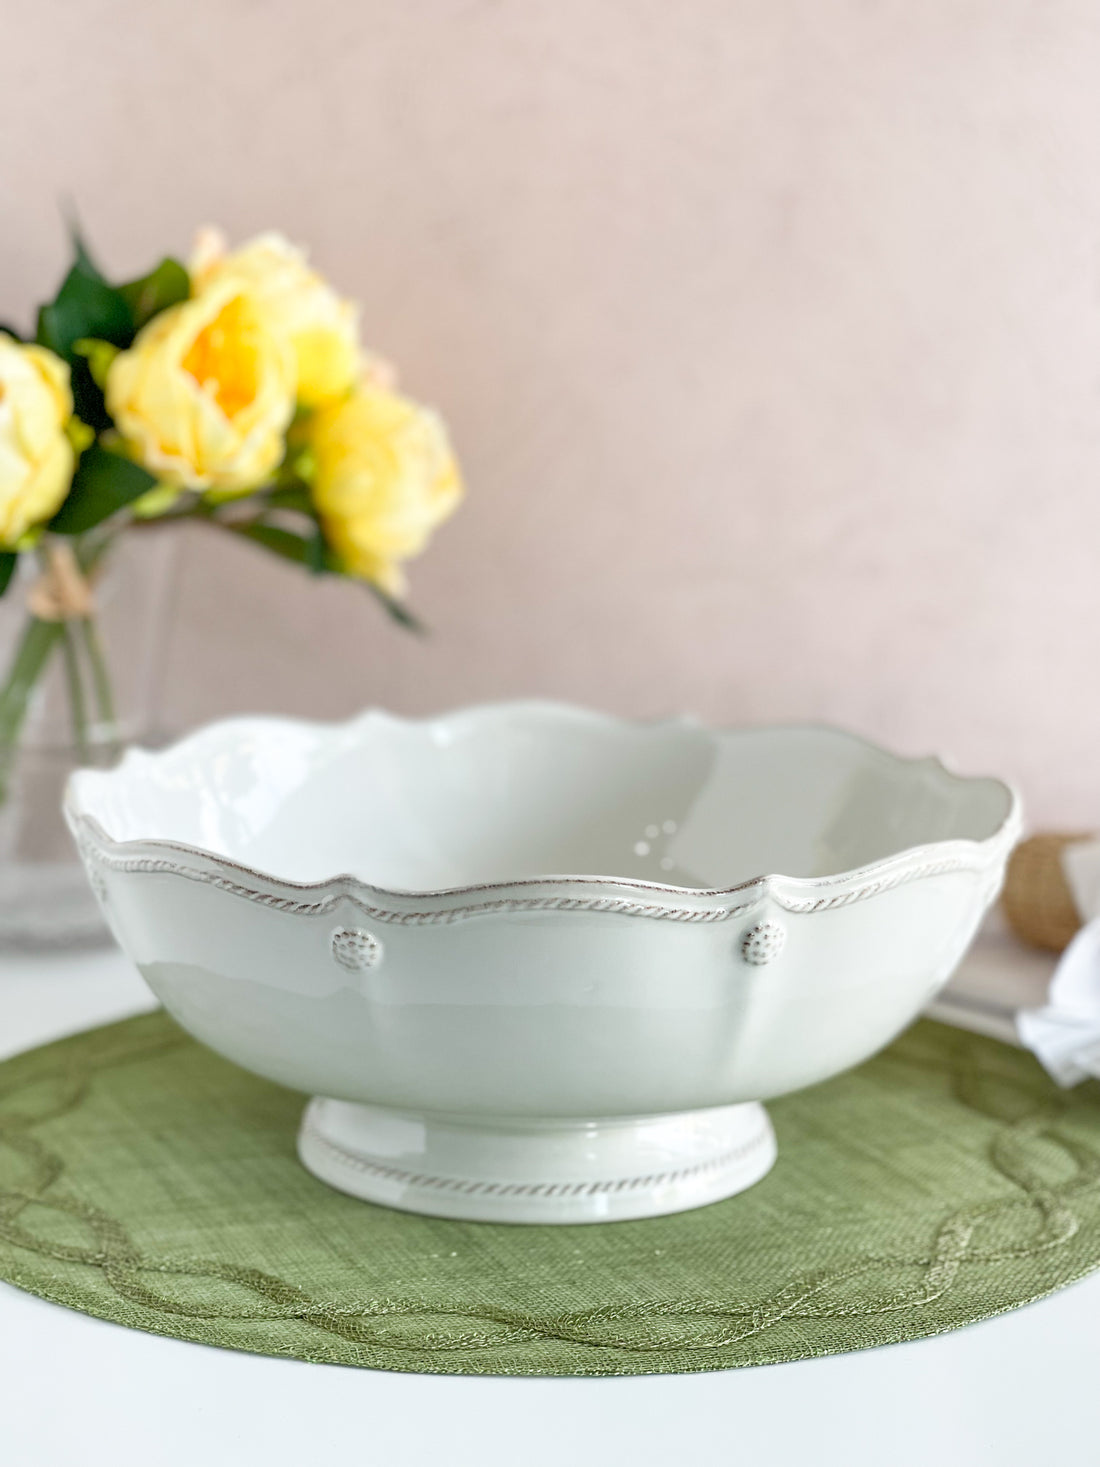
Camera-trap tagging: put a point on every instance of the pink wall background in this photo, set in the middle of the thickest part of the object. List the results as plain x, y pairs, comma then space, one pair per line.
769, 333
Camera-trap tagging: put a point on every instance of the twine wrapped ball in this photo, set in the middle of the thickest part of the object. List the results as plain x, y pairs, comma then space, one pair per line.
1037, 901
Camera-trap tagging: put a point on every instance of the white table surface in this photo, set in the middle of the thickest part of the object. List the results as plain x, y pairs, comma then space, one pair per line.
1021, 1389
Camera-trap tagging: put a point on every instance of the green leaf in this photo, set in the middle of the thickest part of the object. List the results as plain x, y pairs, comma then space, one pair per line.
298, 548
397, 610
289, 501
104, 483
293, 496
8, 561
85, 306
317, 553
312, 552
165, 286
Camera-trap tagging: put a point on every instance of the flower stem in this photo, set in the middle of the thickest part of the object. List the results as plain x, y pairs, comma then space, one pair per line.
84, 663
78, 707
35, 646
107, 720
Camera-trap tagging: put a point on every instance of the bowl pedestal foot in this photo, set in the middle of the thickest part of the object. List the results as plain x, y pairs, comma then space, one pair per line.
487, 1169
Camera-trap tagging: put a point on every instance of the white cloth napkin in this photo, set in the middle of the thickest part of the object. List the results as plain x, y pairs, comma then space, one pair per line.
1065, 1033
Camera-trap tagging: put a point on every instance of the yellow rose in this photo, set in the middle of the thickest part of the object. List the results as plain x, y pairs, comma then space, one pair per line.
204, 395
36, 457
384, 478
296, 302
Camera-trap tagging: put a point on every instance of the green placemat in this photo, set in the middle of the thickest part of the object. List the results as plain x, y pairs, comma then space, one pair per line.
146, 1181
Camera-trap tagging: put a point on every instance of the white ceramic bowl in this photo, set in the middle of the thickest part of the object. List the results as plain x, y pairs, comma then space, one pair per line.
552, 983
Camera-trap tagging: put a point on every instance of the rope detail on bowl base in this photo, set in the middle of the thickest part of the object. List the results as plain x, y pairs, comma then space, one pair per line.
541, 1171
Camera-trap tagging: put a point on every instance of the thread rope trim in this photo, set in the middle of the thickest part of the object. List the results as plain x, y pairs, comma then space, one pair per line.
473, 1187
623, 906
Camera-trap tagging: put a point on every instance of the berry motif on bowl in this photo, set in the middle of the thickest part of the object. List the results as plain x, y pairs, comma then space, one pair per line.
762, 943
355, 950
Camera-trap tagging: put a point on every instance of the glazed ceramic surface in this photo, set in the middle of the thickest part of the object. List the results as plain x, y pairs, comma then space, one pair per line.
538, 964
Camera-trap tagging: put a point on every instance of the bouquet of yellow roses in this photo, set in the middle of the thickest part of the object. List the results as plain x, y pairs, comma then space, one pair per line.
233, 391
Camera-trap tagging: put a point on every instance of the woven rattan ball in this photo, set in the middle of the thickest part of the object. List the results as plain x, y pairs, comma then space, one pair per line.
1037, 901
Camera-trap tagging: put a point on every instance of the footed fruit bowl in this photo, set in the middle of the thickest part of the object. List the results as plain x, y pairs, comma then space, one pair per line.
537, 964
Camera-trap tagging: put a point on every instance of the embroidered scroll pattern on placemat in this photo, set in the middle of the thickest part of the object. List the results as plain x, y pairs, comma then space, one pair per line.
146, 1181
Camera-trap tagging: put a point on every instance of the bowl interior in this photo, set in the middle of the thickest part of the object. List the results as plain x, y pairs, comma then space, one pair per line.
508, 792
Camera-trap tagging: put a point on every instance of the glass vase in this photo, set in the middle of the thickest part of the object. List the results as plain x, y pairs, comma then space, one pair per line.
79, 680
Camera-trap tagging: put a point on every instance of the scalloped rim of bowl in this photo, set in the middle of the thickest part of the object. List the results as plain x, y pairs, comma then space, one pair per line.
624, 895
